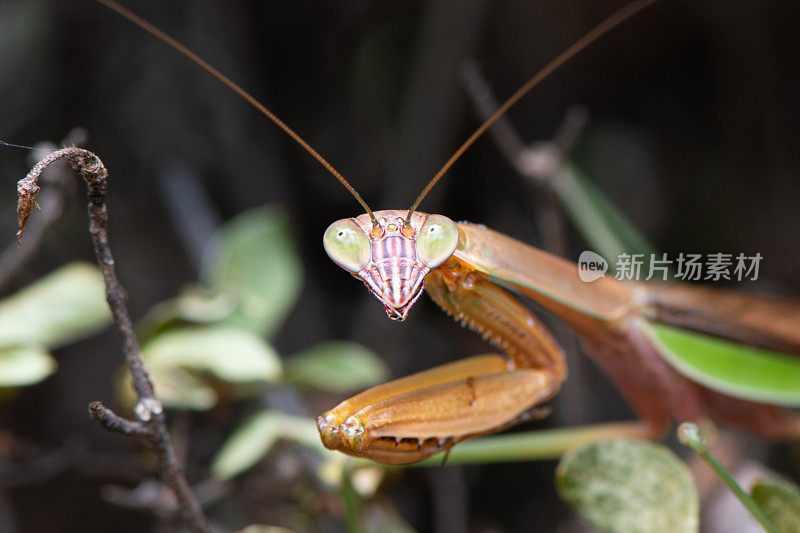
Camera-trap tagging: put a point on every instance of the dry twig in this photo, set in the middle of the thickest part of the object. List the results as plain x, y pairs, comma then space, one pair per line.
541, 163
57, 201
150, 427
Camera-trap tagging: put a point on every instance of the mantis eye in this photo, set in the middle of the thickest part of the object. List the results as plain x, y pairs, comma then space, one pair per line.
437, 240
347, 245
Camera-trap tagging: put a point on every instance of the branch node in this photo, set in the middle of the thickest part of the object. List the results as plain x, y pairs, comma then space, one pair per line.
146, 408
113, 422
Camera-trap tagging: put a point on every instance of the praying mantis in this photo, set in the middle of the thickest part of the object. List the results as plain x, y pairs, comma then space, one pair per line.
674, 351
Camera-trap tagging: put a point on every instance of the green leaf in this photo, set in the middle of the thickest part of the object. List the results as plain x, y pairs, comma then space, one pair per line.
232, 355
601, 224
254, 259
780, 501
194, 306
61, 307
24, 365
178, 389
175, 388
336, 366
179, 357
254, 439
628, 485
247, 445
738, 370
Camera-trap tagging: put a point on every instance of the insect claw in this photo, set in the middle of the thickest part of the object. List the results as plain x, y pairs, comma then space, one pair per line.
353, 431
536, 413
446, 457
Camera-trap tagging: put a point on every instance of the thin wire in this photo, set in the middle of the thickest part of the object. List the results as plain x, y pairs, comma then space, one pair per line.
172, 43
594, 34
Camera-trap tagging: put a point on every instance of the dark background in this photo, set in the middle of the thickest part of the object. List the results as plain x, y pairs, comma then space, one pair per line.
694, 120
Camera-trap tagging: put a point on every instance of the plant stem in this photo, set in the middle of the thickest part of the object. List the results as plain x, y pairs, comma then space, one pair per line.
351, 503
536, 445
59, 199
689, 435
151, 426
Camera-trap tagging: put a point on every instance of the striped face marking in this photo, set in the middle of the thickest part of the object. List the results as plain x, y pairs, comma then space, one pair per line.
399, 257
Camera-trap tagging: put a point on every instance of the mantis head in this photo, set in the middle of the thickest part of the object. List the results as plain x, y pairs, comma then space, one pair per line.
392, 258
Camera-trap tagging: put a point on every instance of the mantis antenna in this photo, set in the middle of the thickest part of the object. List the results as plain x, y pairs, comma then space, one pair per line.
250, 99
595, 33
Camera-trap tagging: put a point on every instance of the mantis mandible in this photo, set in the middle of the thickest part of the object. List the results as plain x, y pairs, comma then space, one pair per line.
644, 336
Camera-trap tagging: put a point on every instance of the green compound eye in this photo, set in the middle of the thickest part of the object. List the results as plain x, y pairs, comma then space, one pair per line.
347, 245
436, 240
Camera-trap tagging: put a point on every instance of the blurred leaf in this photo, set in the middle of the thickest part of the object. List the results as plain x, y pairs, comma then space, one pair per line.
247, 445
179, 389
367, 480
194, 306
177, 357
336, 366
627, 485
254, 439
61, 307
258, 528
381, 518
601, 224
232, 355
780, 501
253, 258
24, 365
175, 388
742, 371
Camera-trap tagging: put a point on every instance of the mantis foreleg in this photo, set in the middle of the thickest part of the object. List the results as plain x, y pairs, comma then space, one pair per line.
411, 418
